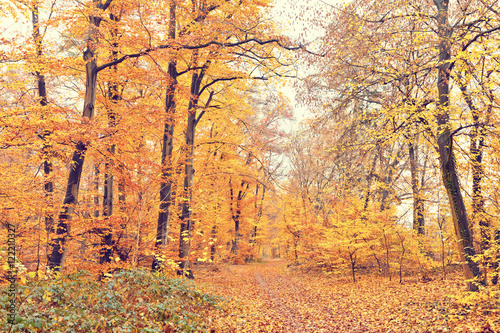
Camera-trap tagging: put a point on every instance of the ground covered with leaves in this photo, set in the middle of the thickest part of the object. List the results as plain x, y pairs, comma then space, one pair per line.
272, 297
261, 297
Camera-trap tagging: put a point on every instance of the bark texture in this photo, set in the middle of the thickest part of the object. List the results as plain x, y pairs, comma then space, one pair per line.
445, 148
418, 202
167, 149
58, 245
48, 185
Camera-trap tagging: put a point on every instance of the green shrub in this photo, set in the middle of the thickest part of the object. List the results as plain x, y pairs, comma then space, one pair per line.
130, 301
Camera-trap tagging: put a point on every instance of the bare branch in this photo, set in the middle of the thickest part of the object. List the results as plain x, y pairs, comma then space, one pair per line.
105, 5
203, 111
197, 47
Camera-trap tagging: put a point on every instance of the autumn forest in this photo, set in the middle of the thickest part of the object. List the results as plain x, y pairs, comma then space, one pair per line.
249, 166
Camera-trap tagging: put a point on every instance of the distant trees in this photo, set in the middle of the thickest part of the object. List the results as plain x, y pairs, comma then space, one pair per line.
388, 77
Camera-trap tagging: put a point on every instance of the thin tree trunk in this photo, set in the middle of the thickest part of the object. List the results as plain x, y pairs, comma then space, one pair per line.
387, 252
167, 149
235, 220
476, 154
96, 190
213, 246
192, 121
186, 218
123, 219
259, 215
106, 232
258, 208
47, 147
185, 206
107, 201
445, 148
477, 145
369, 181
388, 180
418, 203
254, 229
496, 261
478, 211
236, 215
401, 240
352, 257
443, 249
135, 254
121, 198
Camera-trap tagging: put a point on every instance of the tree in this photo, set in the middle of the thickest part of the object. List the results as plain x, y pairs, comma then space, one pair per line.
167, 147
56, 259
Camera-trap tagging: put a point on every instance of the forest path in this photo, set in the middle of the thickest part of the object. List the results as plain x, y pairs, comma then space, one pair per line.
270, 297
274, 299
297, 307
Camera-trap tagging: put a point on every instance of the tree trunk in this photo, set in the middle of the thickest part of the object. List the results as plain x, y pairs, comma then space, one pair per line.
106, 233
352, 258
213, 246
48, 185
478, 212
496, 261
443, 249
254, 229
107, 200
369, 184
403, 250
236, 215
418, 203
388, 180
259, 209
387, 253
477, 144
167, 149
186, 218
58, 245
121, 201
445, 148
96, 190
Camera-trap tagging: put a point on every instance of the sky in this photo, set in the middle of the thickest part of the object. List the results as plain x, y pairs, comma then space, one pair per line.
294, 18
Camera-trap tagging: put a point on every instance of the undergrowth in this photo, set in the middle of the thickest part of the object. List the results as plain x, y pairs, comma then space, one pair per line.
130, 301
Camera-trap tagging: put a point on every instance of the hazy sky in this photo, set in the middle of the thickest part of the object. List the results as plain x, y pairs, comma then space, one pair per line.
295, 18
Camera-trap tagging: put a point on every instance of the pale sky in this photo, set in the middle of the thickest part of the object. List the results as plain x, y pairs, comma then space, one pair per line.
295, 17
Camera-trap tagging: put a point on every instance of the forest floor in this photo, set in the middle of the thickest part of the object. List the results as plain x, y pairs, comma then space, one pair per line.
270, 297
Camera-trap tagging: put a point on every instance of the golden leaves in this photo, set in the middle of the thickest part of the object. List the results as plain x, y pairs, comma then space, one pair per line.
270, 298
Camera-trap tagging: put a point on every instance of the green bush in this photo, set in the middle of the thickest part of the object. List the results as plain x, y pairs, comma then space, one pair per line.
130, 301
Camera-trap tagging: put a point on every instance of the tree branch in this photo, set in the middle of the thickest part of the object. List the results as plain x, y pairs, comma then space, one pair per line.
201, 46
203, 111
105, 5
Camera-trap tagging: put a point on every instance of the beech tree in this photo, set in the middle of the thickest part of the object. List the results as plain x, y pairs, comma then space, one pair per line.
57, 256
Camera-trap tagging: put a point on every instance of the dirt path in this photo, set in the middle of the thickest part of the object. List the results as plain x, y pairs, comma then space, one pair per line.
299, 309
274, 300
271, 298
